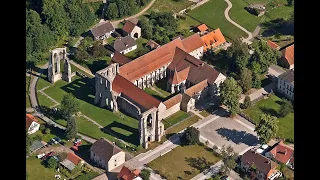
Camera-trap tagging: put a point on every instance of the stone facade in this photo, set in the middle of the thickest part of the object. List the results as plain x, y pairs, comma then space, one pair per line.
115, 161
136, 32
54, 73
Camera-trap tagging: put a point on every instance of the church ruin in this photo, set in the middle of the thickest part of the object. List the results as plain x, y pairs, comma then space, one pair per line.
54, 73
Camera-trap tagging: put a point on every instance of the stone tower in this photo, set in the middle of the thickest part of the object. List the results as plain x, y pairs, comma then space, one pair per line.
54, 73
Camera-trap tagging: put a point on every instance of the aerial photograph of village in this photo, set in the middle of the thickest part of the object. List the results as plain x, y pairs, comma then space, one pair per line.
160, 89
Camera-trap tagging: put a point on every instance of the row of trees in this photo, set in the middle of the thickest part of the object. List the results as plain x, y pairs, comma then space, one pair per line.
122, 8
158, 26
49, 21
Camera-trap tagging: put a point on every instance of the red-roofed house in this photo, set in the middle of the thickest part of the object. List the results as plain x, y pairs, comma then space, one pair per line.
130, 28
287, 59
213, 40
201, 29
127, 174
282, 153
32, 124
71, 161
273, 45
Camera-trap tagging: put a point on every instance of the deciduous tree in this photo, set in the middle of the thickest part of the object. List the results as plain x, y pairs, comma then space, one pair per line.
230, 93
190, 136
69, 105
71, 129
52, 163
267, 128
246, 102
245, 80
145, 174
285, 108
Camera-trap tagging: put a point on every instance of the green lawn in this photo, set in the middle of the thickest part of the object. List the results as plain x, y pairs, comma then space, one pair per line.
161, 86
212, 14
181, 162
281, 11
241, 16
174, 118
37, 171
169, 6
141, 42
271, 106
44, 100
112, 122
188, 24
184, 124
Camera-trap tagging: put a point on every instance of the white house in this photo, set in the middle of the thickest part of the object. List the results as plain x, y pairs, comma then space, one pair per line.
130, 28
102, 30
286, 84
125, 44
32, 124
106, 154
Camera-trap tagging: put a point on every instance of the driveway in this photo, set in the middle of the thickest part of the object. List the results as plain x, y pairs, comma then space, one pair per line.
226, 131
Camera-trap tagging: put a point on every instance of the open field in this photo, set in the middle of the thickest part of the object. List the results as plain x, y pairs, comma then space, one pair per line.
186, 162
169, 6
272, 106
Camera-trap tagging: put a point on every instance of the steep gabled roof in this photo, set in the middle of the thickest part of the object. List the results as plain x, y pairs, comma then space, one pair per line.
101, 29
73, 158
180, 76
120, 58
104, 149
262, 163
127, 174
273, 45
192, 43
196, 88
129, 26
29, 119
124, 43
213, 39
173, 101
122, 85
288, 54
282, 152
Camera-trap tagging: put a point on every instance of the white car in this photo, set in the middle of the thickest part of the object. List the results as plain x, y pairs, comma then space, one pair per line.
39, 156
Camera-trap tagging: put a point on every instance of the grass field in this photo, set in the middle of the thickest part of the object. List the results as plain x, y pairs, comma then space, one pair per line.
175, 118
115, 124
184, 124
44, 100
205, 113
169, 6
188, 23
185, 163
271, 106
212, 14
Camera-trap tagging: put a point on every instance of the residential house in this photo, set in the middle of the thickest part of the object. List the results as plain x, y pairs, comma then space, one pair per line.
127, 174
201, 29
213, 40
102, 30
256, 9
125, 44
259, 166
194, 45
72, 161
273, 45
32, 124
152, 45
132, 29
120, 58
286, 84
282, 153
287, 58
106, 154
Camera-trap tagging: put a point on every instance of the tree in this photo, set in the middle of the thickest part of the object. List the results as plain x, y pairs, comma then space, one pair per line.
30, 64
47, 130
52, 163
141, 51
190, 136
98, 50
239, 55
230, 93
71, 129
228, 158
285, 108
146, 28
245, 80
256, 81
267, 128
42, 127
145, 174
112, 11
246, 102
69, 105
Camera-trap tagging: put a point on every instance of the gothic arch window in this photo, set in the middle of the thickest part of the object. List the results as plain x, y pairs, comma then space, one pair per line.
149, 120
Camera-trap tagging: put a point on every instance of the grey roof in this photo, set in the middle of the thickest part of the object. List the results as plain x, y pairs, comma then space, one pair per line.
68, 164
124, 43
37, 145
104, 149
276, 70
287, 76
102, 29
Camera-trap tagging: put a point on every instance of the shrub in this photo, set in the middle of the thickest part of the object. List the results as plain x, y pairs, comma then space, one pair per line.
246, 102
42, 127
190, 136
52, 163
145, 174
47, 131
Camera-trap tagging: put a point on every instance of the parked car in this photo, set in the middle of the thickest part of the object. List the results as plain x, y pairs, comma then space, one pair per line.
78, 143
39, 156
48, 155
224, 178
57, 139
53, 141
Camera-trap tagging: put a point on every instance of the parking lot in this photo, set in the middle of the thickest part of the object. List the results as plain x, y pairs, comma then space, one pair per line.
226, 131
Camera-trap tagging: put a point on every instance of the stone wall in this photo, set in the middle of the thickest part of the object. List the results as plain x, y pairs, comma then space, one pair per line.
170, 111
116, 160
128, 107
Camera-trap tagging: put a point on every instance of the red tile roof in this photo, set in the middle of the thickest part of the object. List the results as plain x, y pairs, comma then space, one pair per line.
73, 158
127, 174
120, 58
122, 85
29, 119
129, 26
212, 39
173, 101
262, 163
288, 54
273, 45
196, 88
192, 43
180, 76
202, 27
282, 152
152, 44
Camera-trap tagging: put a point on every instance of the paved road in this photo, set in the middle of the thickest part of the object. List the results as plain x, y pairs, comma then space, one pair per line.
226, 14
33, 88
115, 23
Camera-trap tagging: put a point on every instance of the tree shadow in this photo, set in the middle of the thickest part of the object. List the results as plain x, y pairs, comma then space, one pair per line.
97, 65
270, 111
276, 26
84, 152
50, 113
199, 163
238, 137
132, 138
